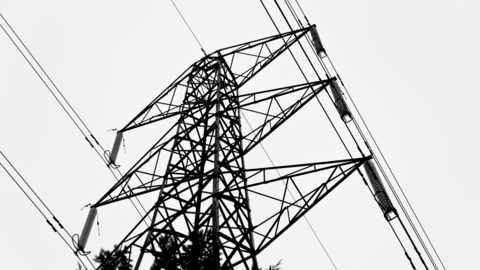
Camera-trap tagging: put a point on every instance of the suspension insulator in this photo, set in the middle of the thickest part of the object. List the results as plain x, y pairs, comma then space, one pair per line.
116, 147
87, 228
379, 190
317, 43
340, 102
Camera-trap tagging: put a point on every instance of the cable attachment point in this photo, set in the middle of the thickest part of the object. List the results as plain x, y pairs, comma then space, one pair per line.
109, 163
78, 250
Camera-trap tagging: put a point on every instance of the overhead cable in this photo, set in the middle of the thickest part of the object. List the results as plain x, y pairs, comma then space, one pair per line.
394, 177
306, 79
79, 124
191, 31
291, 195
316, 73
361, 133
328, 75
38, 208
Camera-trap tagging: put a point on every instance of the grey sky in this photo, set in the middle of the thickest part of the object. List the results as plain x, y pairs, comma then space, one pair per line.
411, 67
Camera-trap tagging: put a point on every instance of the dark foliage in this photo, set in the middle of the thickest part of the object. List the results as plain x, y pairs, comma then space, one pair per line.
117, 260
196, 255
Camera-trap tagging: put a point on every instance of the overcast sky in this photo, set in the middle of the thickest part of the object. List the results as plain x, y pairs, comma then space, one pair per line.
410, 66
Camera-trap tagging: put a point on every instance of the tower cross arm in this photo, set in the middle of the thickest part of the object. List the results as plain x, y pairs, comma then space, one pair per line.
167, 104
260, 53
262, 176
288, 193
280, 108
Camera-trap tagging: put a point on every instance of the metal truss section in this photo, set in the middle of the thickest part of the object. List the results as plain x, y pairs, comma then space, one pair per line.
243, 61
286, 194
275, 106
292, 193
196, 170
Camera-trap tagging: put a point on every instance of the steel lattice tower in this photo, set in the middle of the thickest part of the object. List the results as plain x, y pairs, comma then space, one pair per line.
197, 171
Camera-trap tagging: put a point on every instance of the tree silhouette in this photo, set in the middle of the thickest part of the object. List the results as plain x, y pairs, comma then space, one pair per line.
166, 258
116, 260
196, 255
275, 266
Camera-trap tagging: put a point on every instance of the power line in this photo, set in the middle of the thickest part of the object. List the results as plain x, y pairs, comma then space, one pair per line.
327, 72
78, 125
394, 177
306, 79
321, 105
38, 208
305, 16
305, 216
316, 73
191, 31
361, 133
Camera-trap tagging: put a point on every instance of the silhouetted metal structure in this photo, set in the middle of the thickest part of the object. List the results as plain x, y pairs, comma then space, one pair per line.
197, 172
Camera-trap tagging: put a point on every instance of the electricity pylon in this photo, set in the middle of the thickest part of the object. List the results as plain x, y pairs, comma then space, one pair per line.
197, 171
